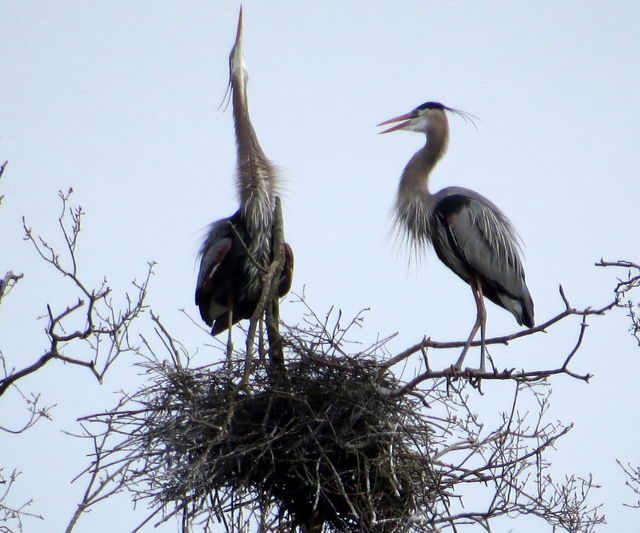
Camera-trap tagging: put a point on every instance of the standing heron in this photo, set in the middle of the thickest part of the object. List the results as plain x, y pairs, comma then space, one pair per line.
468, 232
237, 250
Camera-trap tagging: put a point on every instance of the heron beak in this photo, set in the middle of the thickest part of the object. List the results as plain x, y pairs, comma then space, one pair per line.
237, 70
236, 52
407, 118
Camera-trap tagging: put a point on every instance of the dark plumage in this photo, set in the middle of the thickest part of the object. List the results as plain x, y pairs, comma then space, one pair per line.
224, 285
237, 251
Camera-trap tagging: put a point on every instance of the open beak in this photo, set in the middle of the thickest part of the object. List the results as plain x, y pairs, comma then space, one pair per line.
407, 118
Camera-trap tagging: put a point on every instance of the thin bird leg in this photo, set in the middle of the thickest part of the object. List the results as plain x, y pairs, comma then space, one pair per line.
474, 330
478, 325
229, 341
482, 313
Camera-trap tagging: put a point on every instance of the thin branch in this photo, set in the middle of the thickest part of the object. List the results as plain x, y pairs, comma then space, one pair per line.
505, 340
104, 330
8, 283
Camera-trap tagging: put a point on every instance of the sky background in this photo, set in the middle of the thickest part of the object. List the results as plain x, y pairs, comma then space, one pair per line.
120, 100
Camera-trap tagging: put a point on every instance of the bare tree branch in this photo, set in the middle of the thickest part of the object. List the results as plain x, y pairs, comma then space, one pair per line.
623, 292
12, 514
188, 448
343, 443
506, 339
633, 482
8, 283
2, 167
105, 330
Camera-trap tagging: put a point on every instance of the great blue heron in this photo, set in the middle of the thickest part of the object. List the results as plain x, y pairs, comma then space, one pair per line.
237, 250
468, 232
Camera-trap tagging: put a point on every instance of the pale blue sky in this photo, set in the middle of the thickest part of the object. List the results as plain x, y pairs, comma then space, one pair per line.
120, 100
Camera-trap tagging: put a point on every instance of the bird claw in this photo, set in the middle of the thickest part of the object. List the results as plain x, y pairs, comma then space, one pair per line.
457, 371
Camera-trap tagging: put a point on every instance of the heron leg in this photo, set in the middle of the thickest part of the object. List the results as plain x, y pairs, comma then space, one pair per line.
480, 323
482, 315
229, 340
474, 330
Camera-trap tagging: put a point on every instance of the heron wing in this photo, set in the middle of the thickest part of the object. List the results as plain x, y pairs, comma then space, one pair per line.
475, 239
214, 250
210, 262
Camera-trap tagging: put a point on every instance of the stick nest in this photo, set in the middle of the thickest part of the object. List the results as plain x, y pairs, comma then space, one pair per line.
322, 447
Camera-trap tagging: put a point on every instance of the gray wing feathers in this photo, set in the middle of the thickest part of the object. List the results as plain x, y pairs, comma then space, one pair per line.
485, 240
490, 245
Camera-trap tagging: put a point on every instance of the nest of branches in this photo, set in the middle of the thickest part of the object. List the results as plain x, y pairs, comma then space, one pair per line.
321, 446
332, 440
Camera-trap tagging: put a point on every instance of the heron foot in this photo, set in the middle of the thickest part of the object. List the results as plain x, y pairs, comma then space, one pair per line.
457, 370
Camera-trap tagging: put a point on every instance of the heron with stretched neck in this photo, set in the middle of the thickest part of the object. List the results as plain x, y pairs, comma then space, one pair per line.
469, 234
237, 251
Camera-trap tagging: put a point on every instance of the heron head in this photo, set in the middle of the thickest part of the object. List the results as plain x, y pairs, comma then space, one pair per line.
422, 117
237, 69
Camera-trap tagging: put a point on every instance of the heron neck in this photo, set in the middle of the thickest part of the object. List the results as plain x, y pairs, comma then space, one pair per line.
413, 203
255, 173
415, 177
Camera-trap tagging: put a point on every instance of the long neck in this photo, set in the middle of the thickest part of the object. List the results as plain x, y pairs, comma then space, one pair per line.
256, 184
415, 176
413, 202
255, 173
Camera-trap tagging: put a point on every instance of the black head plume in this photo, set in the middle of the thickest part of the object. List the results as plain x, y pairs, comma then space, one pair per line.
431, 105
468, 117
